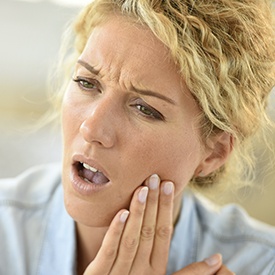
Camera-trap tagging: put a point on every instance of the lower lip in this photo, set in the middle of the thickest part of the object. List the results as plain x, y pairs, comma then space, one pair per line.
83, 187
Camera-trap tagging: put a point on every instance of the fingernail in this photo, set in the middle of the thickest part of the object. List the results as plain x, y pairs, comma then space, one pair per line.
142, 195
124, 216
168, 188
154, 182
214, 259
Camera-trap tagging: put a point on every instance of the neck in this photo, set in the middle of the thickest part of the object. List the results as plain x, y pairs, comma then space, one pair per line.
89, 240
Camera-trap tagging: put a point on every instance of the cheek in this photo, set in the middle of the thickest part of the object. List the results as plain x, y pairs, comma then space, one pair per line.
176, 159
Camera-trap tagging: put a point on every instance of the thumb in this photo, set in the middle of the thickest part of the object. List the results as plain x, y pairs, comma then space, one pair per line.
207, 267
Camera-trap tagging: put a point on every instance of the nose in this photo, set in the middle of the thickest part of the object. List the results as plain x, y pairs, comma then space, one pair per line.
99, 125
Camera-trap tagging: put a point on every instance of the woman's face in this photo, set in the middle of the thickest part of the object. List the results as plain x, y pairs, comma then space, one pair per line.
129, 115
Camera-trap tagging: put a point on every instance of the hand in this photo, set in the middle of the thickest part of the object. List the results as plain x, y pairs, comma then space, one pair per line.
209, 266
141, 245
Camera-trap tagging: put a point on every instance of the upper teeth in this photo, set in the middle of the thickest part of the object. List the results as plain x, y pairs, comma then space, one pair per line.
89, 167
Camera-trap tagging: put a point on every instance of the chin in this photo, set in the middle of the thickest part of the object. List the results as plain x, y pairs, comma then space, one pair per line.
92, 213
85, 213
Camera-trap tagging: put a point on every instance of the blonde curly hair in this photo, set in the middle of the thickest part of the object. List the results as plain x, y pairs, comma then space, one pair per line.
225, 50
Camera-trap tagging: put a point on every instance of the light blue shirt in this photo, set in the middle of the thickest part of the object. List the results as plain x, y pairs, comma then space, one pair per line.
37, 236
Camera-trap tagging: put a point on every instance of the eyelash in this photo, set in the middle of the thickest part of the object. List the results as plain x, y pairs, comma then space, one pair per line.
81, 81
153, 113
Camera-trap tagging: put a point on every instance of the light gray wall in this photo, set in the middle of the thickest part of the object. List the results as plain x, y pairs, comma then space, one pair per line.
30, 38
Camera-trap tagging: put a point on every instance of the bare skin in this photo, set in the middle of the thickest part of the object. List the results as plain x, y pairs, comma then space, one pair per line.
138, 240
128, 114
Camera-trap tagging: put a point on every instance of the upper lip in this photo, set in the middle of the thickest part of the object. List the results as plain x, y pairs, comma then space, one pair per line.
90, 162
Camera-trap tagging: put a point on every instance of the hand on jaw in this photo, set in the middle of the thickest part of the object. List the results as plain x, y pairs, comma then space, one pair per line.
138, 240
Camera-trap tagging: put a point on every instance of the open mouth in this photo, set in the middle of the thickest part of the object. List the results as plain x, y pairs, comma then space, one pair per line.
90, 174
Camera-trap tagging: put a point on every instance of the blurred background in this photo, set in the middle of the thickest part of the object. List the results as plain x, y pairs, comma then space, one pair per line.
30, 37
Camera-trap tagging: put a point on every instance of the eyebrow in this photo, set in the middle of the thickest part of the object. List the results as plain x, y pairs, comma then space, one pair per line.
92, 70
154, 94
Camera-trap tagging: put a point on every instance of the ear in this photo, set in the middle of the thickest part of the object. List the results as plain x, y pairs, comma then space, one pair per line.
218, 149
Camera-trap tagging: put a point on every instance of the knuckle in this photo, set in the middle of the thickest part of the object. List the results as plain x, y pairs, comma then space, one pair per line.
164, 231
147, 232
110, 252
152, 199
166, 201
137, 211
114, 231
130, 243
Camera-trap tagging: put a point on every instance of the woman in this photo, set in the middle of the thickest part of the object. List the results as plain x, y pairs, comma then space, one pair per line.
163, 94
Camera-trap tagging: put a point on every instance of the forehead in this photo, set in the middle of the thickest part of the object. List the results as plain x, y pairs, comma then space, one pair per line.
124, 42
123, 50
128, 54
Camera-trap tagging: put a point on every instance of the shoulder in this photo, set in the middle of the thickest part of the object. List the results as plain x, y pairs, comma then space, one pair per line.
247, 245
33, 187
232, 221
26, 204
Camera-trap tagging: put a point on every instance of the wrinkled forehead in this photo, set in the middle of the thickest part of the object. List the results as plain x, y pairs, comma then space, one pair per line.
120, 44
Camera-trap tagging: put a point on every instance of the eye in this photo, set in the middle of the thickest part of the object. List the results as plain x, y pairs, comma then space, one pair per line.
86, 84
149, 111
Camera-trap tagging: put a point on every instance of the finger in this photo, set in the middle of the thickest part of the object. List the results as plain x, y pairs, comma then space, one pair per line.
164, 225
106, 256
207, 267
224, 271
147, 233
131, 235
